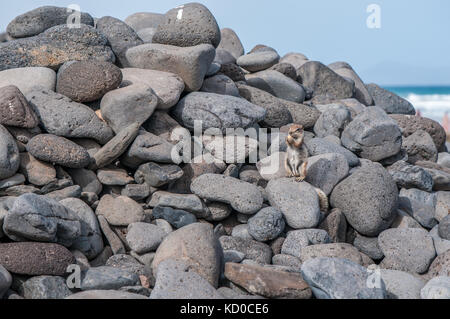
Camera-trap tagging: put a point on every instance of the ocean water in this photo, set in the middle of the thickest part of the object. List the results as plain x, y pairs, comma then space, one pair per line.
432, 101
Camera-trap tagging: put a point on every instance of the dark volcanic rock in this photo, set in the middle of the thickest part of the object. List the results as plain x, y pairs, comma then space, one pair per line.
88, 81
14, 109
56, 46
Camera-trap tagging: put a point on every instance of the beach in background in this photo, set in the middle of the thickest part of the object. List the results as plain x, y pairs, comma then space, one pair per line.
432, 101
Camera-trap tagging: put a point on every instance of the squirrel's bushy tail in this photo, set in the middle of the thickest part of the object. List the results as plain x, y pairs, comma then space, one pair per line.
323, 199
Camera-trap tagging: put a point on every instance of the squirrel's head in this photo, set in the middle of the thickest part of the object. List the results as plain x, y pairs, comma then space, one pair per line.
296, 131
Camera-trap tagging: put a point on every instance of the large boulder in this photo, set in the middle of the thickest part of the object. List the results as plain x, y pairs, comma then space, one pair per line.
390, 102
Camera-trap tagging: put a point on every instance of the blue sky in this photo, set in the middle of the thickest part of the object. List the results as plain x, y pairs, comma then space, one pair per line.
412, 46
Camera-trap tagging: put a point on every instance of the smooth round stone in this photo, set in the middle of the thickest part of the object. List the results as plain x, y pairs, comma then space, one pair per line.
334, 278
176, 279
440, 266
29, 79
128, 105
46, 287
120, 211
217, 111
88, 81
255, 251
244, 197
277, 84
286, 69
258, 61
56, 46
420, 205
121, 37
299, 239
368, 246
437, 288
105, 295
157, 175
143, 20
409, 249
444, 228
267, 224
241, 231
15, 110
146, 34
58, 150
231, 42
220, 84
106, 278
167, 86
17, 179
144, 238
35, 259
187, 202
176, 217
368, 198
114, 177
9, 154
401, 285
188, 25
37, 172
318, 146
190, 63
40, 19
390, 102
224, 57
195, 245
298, 202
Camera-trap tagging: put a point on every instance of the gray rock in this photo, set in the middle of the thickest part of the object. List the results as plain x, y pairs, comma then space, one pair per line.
9, 154
437, 288
86, 179
5, 281
17, 179
368, 246
220, 84
244, 197
231, 42
56, 46
105, 295
187, 202
286, 69
401, 285
335, 224
253, 250
223, 57
440, 243
106, 278
287, 261
298, 202
326, 171
143, 20
40, 19
319, 146
29, 79
120, 36
148, 147
176, 217
233, 71
297, 240
420, 147
333, 120
273, 166
90, 240
278, 110
136, 192
373, 135
233, 256
361, 92
114, 177
409, 124
39, 218
156, 175
116, 146
295, 59
15, 110
176, 280
333, 278
441, 178
125, 106
166, 86
444, 227
409, 176
61, 116
196, 246
258, 61
120, 211
144, 238
37, 172
58, 150
442, 205
46, 287
67, 192
115, 244
324, 81
241, 231
420, 205
191, 63
188, 25
217, 111
390, 102
444, 159
88, 81
409, 249
277, 84
368, 198
266, 225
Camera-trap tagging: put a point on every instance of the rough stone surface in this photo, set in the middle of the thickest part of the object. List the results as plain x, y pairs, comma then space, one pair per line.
368, 198
107, 278
266, 225
420, 205
253, 250
29, 79
401, 285
9, 154
318, 146
420, 147
176, 217
46, 287
231, 42
298, 202
297, 240
390, 102
437, 288
144, 238
37, 172
120, 211
15, 110
409, 176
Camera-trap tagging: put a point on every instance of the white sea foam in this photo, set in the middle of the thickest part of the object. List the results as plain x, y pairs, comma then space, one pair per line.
433, 106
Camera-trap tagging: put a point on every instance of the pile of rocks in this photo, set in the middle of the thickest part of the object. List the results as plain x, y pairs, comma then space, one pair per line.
91, 172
